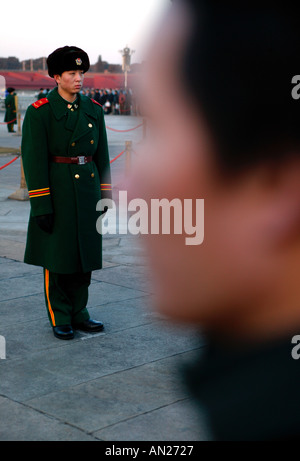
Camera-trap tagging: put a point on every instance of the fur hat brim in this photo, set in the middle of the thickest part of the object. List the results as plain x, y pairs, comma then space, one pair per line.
67, 58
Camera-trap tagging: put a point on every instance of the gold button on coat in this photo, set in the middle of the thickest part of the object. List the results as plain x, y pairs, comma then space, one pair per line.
73, 144
90, 125
77, 176
92, 175
92, 141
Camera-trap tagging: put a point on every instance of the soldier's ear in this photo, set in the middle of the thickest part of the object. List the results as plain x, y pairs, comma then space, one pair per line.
57, 78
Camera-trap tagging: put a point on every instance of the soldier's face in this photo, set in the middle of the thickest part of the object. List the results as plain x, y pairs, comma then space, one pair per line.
70, 81
230, 272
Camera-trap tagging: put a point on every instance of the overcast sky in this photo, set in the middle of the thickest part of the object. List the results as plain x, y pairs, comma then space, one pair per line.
34, 28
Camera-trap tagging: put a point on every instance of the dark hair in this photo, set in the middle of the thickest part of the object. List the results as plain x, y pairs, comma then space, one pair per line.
238, 64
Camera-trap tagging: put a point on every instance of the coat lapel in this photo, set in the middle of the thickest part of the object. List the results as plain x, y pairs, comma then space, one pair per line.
87, 115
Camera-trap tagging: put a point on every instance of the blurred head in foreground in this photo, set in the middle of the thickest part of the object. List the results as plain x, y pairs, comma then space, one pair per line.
225, 128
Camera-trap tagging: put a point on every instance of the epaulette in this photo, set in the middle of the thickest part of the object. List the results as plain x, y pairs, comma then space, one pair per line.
96, 102
40, 103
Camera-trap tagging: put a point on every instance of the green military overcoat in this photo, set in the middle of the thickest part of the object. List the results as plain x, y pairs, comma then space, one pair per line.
10, 106
69, 191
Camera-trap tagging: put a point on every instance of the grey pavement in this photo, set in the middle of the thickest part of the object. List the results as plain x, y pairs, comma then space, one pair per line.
123, 384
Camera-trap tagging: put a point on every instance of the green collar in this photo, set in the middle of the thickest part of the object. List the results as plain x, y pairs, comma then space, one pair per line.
60, 107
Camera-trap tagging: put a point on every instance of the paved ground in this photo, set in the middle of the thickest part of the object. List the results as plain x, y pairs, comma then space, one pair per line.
120, 385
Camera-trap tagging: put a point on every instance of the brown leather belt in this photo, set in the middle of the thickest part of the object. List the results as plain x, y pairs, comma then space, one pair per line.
80, 160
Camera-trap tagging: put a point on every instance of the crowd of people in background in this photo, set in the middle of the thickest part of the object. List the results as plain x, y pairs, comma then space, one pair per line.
114, 101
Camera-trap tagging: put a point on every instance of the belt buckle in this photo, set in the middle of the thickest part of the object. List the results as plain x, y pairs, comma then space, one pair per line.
81, 160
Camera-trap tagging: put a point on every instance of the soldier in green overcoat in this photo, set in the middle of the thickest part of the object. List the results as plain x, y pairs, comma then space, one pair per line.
11, 110
67, 169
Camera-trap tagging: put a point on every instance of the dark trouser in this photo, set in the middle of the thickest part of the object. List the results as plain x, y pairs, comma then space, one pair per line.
66, 297
10, 127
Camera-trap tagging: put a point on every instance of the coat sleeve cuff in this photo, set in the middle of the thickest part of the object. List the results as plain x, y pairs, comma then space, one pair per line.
40, 201
106, 191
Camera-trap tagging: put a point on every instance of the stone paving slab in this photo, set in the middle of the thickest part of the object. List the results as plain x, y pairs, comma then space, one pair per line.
113, 398
21, 423
168, 423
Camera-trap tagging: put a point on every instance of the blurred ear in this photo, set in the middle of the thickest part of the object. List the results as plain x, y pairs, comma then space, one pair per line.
57, 79
282, 188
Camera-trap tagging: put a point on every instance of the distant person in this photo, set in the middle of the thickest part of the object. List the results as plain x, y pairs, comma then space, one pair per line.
116, 96
10, 110
128, 102
97, 95
116, 102
230, 136
103, 98
107, 108
122, 102
111, 100
41, 93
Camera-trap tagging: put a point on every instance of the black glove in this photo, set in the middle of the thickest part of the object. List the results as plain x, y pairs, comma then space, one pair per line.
45, 222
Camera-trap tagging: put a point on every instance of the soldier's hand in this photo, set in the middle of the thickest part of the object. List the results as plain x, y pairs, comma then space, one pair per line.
45, 222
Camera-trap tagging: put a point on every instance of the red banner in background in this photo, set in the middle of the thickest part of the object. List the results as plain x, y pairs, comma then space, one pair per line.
36, 80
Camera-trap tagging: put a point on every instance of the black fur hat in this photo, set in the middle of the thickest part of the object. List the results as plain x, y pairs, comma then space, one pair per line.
67, 58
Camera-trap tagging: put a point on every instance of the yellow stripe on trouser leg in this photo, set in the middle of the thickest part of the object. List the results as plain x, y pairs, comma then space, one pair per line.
47, 296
